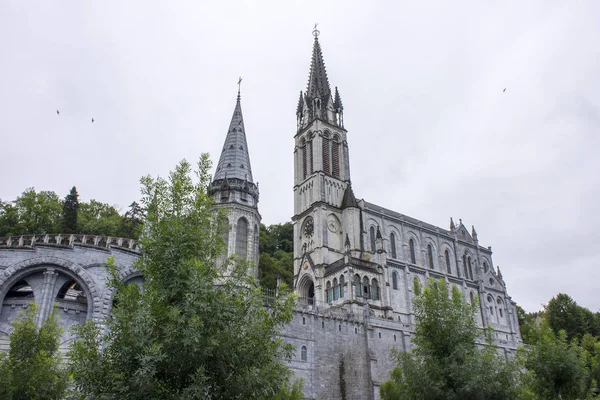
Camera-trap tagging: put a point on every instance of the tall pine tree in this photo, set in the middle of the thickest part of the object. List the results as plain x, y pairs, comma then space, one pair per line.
69, 214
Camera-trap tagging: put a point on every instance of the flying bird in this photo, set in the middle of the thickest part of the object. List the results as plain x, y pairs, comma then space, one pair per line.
92, 120
504, 90
57, 112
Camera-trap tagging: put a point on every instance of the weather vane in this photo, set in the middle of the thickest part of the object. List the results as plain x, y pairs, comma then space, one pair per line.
315, 31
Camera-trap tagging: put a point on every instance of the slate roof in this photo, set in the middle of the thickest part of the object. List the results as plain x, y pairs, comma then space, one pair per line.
235, 160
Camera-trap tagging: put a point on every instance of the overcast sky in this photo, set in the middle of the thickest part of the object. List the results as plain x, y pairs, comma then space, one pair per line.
431, 132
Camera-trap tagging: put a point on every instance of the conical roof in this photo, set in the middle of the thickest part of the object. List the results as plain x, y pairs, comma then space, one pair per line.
235, 160
318, 84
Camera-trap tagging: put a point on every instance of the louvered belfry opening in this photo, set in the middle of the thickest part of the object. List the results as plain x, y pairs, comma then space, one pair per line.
326, 168
304, 164
335, 157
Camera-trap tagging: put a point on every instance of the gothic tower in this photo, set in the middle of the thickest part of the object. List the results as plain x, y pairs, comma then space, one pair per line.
234, 192
326, 214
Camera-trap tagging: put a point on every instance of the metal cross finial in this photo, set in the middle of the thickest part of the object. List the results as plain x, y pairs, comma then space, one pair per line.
239, 85
315, 31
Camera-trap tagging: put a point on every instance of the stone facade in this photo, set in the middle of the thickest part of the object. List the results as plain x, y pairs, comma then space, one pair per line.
355, 263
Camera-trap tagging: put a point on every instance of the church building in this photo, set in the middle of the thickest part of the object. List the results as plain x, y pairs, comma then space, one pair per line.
355, 262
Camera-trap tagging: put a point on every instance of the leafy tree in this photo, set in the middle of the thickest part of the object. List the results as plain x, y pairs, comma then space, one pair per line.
69, 213
446, 362
96, 218
276, 254
32, 368
527, 325
9, 219
557, 367
38, 212
184, 336
563, 313
132, 222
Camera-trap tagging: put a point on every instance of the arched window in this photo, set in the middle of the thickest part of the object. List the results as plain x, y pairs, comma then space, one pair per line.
366, 288
329, 292
310, 157
430, 256
393, 244
224, 227
485, 267
448, 267
395, 280
357, 286
304, 158
411, 245
471, 296
470, 269
499, 302
335, 156
303, 355
241, 238
336, 289
372, 238
466, 276
342, 286
374, 289
326, 168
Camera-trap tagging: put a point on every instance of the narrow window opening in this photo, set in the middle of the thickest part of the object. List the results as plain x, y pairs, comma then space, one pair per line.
393, 244
303, 355
430, 256
411, 244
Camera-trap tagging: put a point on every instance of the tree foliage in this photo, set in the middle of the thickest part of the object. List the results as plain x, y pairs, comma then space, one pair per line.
69, 212
43, 212
557, 368
183, 336
276, 254
32, 368
446, 362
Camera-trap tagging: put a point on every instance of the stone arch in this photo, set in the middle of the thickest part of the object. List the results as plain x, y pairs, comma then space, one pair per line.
306, 290
19, 270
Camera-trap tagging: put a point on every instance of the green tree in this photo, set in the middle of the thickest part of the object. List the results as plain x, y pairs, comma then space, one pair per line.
557, 367
527, 325
70, 211
132, 221
446, 362
32, 368
96, 218
563, 313
190, 333
9, 220
38, 212
276, 254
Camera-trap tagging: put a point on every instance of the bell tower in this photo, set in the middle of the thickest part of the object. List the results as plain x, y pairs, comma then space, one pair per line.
325, 227
234, 191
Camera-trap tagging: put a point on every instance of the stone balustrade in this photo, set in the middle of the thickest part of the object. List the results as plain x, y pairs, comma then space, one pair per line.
69, 240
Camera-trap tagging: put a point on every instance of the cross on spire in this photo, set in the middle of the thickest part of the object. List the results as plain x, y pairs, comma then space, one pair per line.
239, 86
315, 31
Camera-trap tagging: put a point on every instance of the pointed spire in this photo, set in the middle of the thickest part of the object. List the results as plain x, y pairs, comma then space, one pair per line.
300, 104
234, 162
473, 232
452, 225
347, 243
318, 84
349, 200
337, 101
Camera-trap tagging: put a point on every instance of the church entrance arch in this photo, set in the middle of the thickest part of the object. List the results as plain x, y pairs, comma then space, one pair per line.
307, 292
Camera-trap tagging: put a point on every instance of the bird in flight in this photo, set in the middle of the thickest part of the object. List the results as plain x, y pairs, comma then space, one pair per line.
92, 120
57, 112
504, 90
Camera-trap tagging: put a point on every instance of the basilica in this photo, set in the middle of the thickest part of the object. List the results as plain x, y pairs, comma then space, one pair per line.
355, 263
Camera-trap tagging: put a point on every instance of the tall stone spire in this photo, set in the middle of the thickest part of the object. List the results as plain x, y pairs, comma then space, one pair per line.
318, 84
318, 102
235, 160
